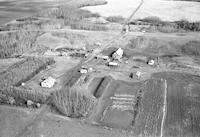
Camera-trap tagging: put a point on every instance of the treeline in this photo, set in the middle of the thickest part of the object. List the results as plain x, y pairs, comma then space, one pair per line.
73, 102
11, 79
186, 25
68, 14
74, 18
16, 43
23, 94
57, 18
166, 26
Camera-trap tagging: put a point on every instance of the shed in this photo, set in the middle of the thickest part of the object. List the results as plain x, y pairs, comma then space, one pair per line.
151, 62
113, 64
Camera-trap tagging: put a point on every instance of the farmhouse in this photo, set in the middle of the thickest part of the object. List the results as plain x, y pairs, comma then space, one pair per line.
48, 83
118, 54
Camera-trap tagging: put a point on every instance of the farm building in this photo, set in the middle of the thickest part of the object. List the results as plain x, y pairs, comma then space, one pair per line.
112, 64
118, 54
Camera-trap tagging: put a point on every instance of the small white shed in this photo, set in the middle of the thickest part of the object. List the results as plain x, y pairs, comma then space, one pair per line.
113, 64
151, 62
48, 83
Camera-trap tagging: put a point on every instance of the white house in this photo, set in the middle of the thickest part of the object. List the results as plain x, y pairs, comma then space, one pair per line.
83, 71
48, 83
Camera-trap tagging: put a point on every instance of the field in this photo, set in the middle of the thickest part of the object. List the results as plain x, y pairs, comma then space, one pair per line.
14, 9
151, 90
150, 8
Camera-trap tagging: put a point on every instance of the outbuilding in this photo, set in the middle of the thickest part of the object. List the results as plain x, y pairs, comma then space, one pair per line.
102, 57
151, 62
112, 64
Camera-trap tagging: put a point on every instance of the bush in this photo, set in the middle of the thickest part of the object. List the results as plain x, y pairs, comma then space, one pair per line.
191, 48
73, 103
23, 71
138, 42
164, 29
17, 43
117, 19
83, 25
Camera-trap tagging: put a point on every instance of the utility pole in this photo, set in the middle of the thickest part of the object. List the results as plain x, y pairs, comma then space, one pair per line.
126, 26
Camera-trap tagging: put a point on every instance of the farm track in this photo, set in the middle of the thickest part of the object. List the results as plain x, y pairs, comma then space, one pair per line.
133, 13
164, 108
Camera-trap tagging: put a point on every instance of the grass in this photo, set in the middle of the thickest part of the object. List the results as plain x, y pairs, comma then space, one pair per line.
73, 102
16, 43
191, 48
38, 25
116, 19
70, 36
150, 46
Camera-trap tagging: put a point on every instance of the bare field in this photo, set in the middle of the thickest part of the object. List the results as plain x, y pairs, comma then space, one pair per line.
168, 10
183, 108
